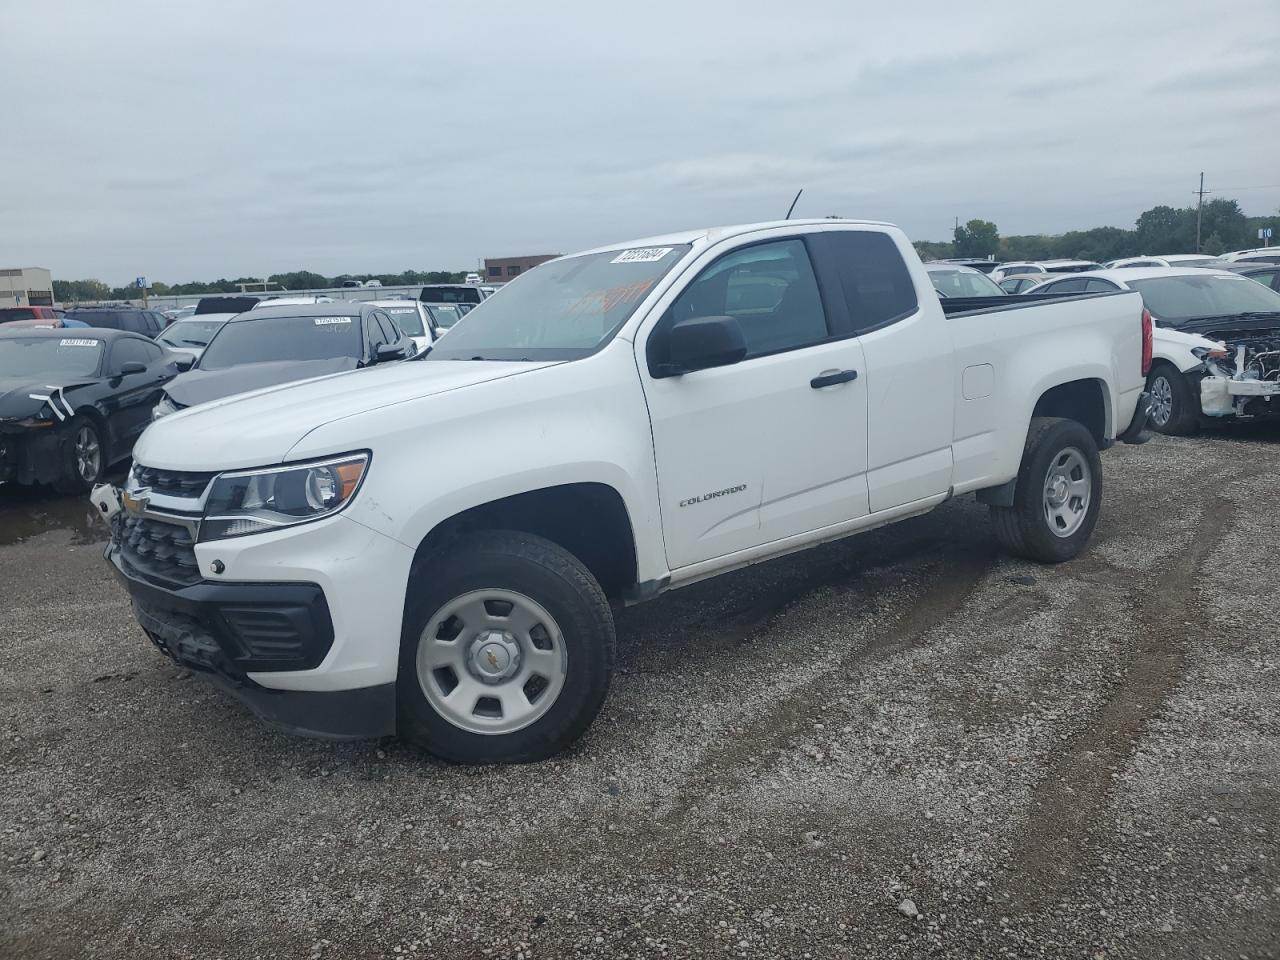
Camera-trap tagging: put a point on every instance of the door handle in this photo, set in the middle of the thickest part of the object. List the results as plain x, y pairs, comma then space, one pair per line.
831, 379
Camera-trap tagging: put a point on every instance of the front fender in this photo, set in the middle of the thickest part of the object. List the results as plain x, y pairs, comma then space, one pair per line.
1173, 346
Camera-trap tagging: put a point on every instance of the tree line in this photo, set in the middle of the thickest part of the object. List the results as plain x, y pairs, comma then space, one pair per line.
76, 291
1223, 228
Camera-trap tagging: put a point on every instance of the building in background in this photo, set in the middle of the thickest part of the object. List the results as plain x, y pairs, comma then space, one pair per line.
26, 287
502, 269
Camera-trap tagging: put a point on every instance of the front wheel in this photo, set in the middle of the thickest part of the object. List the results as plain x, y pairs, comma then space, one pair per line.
507, 650
1175, 409
84, 458
1057, 495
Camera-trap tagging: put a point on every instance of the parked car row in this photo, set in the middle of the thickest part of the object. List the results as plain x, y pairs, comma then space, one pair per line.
72, 402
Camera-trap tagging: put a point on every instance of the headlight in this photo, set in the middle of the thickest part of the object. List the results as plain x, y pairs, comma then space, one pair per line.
165, 407
251, 501
1211, 353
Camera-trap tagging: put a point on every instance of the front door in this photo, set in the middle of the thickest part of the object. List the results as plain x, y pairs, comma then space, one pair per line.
772, 446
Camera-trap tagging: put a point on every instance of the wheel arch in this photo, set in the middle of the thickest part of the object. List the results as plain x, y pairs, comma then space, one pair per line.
588, 519
1086, 400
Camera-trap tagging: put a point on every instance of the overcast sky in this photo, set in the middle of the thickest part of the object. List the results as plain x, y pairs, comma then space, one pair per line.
192, 140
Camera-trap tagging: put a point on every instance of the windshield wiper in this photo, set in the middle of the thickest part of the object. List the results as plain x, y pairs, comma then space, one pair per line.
1243, 315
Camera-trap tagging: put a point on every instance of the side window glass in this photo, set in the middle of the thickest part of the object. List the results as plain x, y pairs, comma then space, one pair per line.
128, 351
769, 288
1067, 286
877, 285
377, 337
1094, 285
390, 328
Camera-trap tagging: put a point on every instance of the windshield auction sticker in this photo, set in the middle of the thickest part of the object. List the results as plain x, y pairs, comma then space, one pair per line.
642, 255
325, 321
78, 343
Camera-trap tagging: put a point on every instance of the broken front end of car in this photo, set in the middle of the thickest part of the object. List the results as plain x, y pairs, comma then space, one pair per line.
1242, 378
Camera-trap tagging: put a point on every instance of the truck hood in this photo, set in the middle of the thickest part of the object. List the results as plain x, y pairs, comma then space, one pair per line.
201, 386
260, 428
16, 401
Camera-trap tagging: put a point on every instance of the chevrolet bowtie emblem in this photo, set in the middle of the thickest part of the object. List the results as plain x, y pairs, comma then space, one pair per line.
134, 504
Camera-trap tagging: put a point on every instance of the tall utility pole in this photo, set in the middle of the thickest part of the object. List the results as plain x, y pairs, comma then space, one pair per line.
1199, 209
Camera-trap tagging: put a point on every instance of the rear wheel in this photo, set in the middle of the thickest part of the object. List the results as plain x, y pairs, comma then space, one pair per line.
1057, 495
1175, 409
507, 650
84, 458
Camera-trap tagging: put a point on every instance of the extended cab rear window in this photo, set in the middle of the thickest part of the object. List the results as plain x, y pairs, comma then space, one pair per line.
876, 283
564, 310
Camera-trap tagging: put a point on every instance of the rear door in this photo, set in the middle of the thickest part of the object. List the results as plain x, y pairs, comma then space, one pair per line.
766, 448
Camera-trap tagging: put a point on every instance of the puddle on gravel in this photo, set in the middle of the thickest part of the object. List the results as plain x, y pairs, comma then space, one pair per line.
27, 512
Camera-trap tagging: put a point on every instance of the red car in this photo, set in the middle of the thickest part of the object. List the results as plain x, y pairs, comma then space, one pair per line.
38, 314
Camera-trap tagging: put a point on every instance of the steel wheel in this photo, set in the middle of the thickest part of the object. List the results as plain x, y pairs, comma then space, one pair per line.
1161, 400
1068, 487
492, 661
88, 452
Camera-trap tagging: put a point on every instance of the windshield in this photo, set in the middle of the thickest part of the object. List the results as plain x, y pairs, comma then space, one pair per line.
407, 319
190, 333
961, 283
16, 313
46, 356
283, 338
563, 310
1176, 300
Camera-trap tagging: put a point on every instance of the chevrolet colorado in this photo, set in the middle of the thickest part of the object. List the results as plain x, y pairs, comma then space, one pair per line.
435, 548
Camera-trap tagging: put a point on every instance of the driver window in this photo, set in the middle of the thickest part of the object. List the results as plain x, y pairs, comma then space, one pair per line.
129, 351
769, 288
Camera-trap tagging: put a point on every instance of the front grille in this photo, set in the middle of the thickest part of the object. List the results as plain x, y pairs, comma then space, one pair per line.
173, 483
157, 550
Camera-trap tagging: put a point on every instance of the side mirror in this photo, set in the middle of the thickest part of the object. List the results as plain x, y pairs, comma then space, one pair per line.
390, 351
184, 363
702, 342
132, 366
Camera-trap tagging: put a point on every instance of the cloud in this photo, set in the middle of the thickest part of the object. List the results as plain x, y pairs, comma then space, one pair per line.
211, 138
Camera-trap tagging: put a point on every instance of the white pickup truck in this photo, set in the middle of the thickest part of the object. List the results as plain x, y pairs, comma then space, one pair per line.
435, 549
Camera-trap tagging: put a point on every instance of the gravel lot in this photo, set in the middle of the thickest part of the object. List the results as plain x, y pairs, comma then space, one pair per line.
899, 745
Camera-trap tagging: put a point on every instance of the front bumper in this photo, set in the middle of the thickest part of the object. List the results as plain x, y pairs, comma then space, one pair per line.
226, 631
1226, 397
303, 624
30, 456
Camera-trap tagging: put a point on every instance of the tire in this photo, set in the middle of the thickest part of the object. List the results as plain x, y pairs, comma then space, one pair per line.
1050, 521
496, 624
83, 454
1175, 406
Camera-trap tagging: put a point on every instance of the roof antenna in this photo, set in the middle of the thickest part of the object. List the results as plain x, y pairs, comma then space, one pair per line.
793, 204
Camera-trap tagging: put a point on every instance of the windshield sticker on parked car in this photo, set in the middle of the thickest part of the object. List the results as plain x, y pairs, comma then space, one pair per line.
642, 255
78, 343
325, 321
